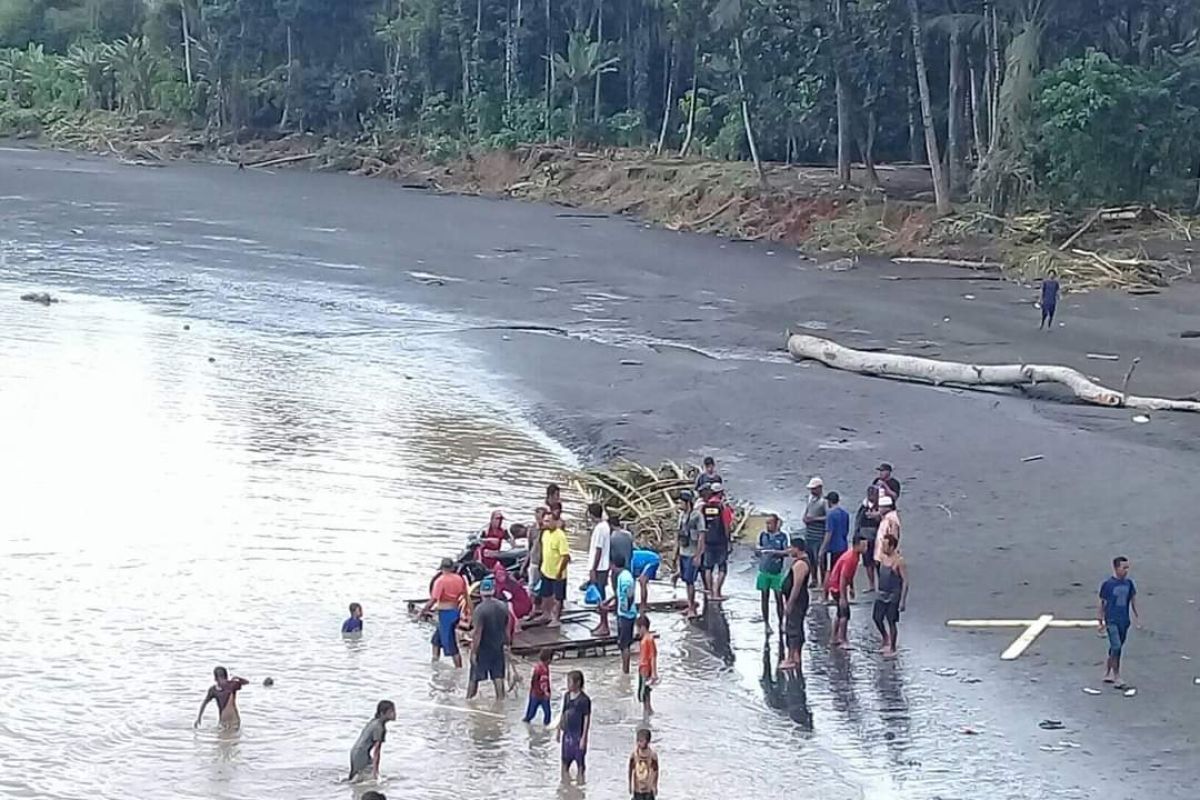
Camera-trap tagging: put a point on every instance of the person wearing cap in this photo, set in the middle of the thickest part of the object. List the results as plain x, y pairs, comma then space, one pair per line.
713, 550
889, 522
814, 522
709, 474
489, 638
448, 596
691, 530
866, 526
887, 482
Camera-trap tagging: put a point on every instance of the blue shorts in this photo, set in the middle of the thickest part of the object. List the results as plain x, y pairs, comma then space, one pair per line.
446, 635
536, 703
687, 569
573, 752
1117, 631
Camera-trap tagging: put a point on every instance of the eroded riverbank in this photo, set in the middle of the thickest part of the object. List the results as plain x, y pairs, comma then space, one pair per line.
344, 260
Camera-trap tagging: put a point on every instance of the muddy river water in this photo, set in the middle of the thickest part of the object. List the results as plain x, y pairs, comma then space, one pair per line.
204, 466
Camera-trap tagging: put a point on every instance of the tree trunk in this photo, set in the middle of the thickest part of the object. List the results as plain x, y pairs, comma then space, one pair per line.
669, 69
841, 93
509, 37
464, 52
941, 191
599, 75
287, 98
691, 120
954, 115
866, 144
976, 123
913, 108
549, 65
930, 370
994, 97
187, 42
574, 111
762, 175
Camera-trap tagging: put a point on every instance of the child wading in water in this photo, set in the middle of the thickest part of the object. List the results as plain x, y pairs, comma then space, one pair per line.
574, 726
643, 768
539, 688
368, 749
647, 663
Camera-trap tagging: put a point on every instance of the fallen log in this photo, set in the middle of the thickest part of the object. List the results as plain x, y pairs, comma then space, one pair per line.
938, 372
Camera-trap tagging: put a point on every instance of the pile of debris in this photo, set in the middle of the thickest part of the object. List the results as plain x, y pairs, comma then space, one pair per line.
646, 499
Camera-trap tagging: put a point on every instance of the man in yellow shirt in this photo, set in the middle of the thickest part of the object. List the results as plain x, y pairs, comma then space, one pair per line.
556, 555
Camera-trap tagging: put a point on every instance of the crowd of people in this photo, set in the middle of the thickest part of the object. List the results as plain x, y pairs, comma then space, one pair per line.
526, 587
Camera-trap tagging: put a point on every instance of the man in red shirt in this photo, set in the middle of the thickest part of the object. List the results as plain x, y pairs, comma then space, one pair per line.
840, 586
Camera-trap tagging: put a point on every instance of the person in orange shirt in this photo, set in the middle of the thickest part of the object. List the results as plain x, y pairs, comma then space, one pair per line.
448, 595
647, 663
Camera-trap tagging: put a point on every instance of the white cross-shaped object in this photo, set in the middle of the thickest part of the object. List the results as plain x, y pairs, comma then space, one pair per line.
1033, 629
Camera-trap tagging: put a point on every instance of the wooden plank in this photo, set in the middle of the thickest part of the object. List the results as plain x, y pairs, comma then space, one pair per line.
1027, 637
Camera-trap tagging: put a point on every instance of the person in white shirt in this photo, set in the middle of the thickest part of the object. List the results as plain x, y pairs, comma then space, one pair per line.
598, 551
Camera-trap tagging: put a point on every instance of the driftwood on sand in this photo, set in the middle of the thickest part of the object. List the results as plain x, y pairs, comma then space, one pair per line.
930, 370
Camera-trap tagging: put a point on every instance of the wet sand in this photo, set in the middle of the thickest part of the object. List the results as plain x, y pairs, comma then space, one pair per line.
986, 534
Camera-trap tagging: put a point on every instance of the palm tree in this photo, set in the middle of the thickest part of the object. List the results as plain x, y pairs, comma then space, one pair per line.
584, 62
941, 191
92, 66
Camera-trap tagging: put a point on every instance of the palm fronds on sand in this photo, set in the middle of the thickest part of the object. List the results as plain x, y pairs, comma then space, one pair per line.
646, 498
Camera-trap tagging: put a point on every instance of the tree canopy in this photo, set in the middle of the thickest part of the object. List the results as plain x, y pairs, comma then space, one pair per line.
1015, 101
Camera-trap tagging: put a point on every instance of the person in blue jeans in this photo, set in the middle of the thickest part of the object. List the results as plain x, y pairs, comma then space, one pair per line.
1118, 598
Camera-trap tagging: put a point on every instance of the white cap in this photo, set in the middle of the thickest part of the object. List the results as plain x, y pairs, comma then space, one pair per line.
885, 501
815, 481
716, 487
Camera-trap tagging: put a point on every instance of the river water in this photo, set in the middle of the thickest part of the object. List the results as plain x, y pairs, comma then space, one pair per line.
205, 467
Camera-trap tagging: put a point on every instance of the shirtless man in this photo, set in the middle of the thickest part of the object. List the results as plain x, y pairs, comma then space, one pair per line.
224, 691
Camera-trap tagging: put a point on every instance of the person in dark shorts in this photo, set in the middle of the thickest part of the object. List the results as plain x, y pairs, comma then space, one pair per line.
574, 726
814, 522
893, 593
643, 768
1118, 597
840, 586
489, 636
372, 795
796, 607
837, 533
1049, 301
620, 543
625, 603
714, 545
866, 526
368, 748
691, 530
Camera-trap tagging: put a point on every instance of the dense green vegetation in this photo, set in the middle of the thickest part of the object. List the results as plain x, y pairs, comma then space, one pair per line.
1011, 101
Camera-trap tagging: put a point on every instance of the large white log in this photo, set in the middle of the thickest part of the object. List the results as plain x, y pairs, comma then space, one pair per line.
931, 370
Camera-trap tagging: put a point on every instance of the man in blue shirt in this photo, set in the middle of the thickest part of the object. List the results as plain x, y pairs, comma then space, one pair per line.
772, 547
354, 623
1117, 599
837, 532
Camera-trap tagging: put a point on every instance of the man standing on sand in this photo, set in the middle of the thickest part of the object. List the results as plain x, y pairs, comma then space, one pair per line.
814, 521
889, 484
866, 526
691, 531
893, 594
840, 587
713, 551
598, 561
889, 522
489, 636
556, 554
1118, 597
837, 532
224, 691
796, 608
1049, 301
772, 547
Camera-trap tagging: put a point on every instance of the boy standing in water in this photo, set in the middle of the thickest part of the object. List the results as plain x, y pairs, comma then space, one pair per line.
647, 663
224, 690
369, 747
354, 623
539, 688
643, 768
574, 726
